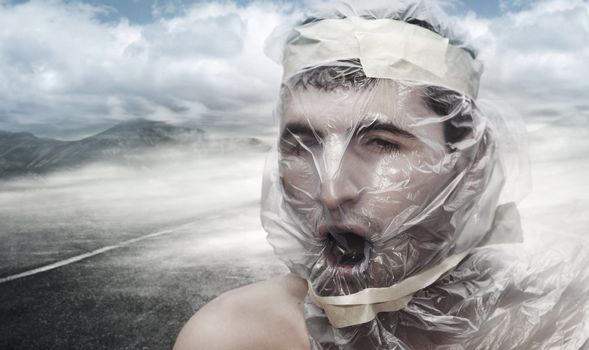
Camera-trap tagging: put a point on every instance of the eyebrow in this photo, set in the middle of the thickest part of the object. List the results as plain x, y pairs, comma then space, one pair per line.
301, 129
377, 125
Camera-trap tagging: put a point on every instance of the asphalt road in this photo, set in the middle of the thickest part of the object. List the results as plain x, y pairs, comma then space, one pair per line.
136, 296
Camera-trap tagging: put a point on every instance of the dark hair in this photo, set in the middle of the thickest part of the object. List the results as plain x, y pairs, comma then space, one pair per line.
445, 102
346, 74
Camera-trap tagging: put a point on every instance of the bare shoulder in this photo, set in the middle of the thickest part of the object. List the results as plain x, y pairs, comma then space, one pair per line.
263, 315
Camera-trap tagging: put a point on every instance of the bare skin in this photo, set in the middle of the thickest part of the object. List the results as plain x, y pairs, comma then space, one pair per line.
263, 315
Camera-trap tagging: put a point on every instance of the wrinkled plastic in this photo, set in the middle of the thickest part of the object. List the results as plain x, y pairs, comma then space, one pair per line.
376, 180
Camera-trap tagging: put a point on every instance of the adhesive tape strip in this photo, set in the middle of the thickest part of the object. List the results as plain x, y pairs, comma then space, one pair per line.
361, 307
387, 49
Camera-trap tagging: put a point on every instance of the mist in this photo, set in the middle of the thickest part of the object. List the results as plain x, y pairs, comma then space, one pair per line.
56, 216
557, 208
62, 214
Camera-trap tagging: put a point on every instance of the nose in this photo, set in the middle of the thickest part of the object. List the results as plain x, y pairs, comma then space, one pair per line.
339, 175
337, 192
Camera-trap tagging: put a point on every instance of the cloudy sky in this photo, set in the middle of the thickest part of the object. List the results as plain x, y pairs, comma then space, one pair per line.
71, 68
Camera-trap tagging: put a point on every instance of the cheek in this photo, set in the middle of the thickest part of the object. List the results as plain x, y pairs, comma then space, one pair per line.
401, 185
399, 177
299, 179
390, 190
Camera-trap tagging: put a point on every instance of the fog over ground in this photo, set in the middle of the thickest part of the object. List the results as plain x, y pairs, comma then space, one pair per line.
45, 219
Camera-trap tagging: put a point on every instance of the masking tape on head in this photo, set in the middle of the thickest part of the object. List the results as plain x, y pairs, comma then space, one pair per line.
363, 306
386, 48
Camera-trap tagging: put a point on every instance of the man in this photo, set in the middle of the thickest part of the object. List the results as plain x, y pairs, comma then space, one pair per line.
385, 201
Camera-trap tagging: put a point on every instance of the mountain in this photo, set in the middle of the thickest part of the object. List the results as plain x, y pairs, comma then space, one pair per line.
143, 133
23, 153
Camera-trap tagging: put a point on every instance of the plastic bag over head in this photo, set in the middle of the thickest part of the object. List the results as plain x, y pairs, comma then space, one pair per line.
387, 174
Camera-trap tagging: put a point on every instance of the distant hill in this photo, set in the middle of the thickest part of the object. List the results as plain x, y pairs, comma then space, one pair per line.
22, 153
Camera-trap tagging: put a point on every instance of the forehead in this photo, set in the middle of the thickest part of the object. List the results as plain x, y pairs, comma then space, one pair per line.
341, 109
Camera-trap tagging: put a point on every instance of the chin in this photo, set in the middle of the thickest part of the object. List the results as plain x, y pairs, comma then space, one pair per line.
329, 278
375, 270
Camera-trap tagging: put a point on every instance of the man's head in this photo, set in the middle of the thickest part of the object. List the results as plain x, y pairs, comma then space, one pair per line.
359, 157
376, 175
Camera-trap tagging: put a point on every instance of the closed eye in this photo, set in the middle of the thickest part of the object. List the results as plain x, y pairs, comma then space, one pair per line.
297, 138
381, 145
382, 137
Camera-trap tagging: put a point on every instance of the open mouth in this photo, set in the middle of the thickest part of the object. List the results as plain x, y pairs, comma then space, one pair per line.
346, 248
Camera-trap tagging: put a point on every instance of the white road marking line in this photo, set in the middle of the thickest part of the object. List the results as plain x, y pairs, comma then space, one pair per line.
76, 258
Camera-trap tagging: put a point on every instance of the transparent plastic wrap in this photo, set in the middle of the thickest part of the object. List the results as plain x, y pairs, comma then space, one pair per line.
391, 191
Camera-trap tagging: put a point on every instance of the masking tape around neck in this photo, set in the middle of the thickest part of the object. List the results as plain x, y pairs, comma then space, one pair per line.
350, 315
363, 306
386, 48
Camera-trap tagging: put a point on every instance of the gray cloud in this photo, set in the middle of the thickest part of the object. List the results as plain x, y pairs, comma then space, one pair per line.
536, 57
61, 64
